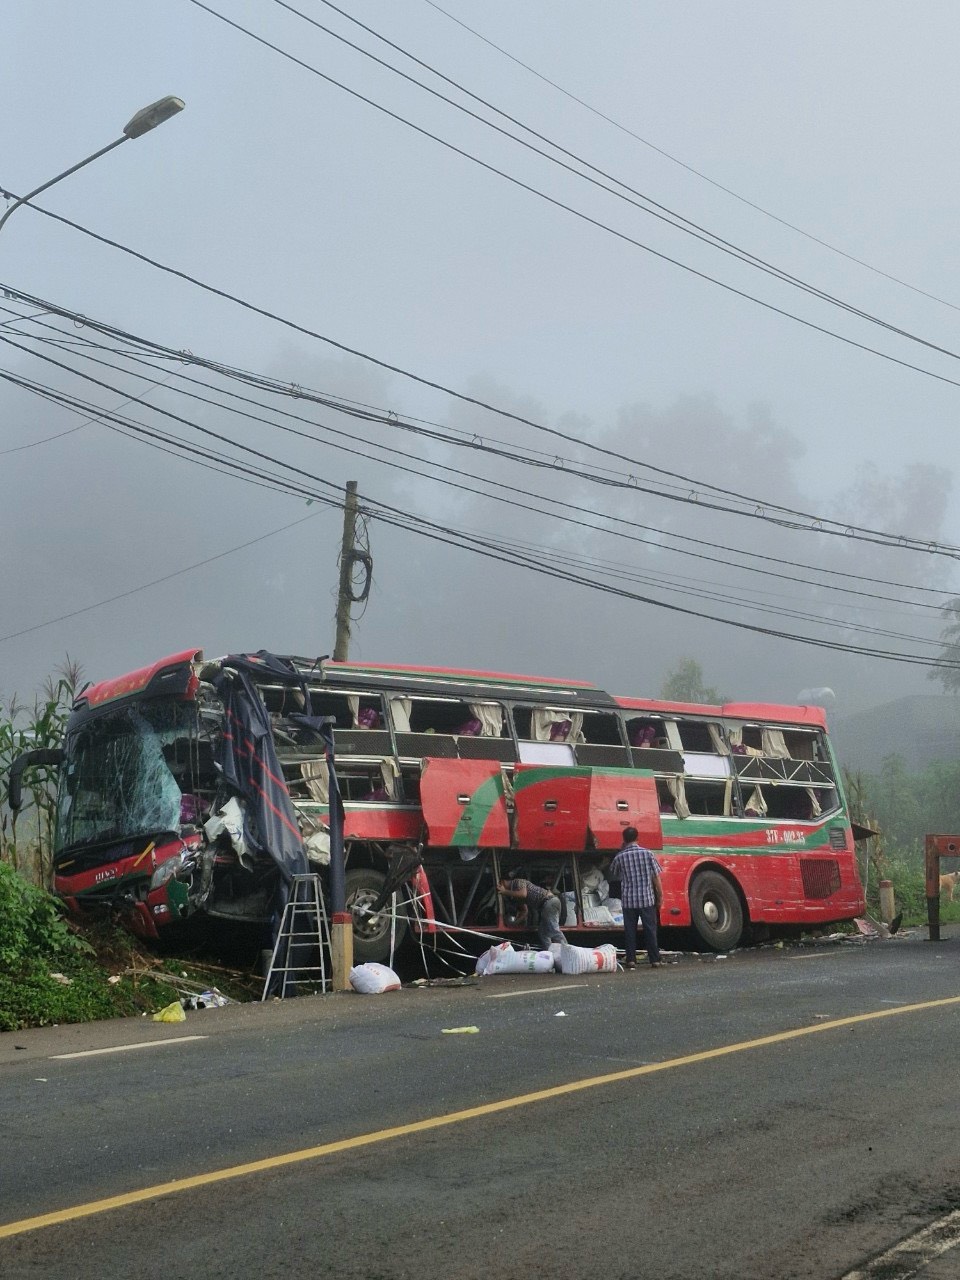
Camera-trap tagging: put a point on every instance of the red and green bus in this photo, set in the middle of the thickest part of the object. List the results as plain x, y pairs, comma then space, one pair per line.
449, 779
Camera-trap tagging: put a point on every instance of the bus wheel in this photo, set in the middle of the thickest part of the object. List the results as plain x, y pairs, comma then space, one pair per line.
371, 933
715, 911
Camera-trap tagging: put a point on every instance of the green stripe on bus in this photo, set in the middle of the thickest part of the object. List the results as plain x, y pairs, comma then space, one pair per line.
477, 810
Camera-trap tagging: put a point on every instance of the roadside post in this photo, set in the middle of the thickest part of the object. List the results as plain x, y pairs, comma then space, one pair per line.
341, 920
935, 848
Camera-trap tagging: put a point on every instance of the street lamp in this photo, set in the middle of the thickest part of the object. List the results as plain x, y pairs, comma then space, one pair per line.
147, 118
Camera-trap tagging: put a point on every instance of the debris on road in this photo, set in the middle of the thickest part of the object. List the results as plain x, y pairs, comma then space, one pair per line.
171, 1013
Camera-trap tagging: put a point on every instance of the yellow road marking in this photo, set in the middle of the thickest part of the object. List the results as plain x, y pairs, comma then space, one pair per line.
177, 1185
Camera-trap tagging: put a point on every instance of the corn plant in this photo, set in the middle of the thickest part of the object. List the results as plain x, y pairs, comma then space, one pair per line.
26, 838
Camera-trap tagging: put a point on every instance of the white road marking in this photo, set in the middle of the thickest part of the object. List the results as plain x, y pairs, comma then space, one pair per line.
538, 991
122, 1048
906, 1258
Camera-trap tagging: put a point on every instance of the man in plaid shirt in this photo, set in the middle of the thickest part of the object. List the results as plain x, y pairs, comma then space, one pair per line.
641, 894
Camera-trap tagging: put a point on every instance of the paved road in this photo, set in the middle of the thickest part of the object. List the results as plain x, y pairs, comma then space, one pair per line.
746, 1117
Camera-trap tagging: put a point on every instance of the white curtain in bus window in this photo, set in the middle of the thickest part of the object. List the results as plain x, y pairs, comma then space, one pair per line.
390, 773
717, 739
815, 806
315, 775
353, 702
774, 743
674, 741
755, 805
553, 724
678, 793
400, 709
490, 715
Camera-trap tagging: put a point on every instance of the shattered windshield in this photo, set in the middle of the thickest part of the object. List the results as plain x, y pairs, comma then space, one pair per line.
118, 777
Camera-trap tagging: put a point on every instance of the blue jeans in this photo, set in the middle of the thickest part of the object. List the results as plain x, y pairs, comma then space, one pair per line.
549, 928
648, 917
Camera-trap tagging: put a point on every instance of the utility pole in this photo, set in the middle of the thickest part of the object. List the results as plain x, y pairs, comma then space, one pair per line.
345, 594
341, 932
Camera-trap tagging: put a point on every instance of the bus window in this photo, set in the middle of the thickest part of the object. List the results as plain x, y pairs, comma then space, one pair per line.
800, 745
359, 725
601, 742
448, 727
707, 797
702, 736
642, 731
547, 734
792, 802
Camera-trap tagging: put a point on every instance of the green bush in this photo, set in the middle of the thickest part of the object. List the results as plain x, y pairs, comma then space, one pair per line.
31, 925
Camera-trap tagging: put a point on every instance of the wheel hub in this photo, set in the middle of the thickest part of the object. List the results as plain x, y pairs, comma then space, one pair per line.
365, 922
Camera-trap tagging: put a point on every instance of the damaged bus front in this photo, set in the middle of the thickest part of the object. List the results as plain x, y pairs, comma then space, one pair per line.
165, 802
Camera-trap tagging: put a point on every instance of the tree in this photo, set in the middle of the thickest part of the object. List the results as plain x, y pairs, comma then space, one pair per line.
685, 684
946, 668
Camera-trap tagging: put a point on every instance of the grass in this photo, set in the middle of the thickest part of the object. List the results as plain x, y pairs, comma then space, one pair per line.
910, 893
57, 970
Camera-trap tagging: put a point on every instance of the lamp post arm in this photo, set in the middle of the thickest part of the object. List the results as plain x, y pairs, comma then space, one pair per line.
66, 174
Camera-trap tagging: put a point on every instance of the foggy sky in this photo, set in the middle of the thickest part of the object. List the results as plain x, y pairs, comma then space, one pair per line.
276, 187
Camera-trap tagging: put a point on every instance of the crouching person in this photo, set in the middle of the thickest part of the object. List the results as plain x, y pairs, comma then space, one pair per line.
547, 903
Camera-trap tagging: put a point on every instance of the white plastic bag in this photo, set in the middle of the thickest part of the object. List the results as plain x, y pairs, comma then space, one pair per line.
372, 979
229, 818
591, 878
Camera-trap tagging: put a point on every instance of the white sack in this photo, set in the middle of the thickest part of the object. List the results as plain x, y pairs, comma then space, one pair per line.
503, 959
371, 979
576, 960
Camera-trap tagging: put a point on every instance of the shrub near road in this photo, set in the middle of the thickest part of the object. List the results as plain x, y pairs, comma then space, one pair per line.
53, 970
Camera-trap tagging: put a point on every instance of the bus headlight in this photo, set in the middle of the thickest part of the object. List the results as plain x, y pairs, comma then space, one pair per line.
167, 871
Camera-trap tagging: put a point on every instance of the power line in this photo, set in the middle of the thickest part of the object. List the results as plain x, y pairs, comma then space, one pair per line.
620, 235
155, 582
767, 213
390, 420
645, 203
484, 546
761, 508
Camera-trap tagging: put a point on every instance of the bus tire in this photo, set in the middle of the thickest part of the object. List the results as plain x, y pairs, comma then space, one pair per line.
371, 934
716, 911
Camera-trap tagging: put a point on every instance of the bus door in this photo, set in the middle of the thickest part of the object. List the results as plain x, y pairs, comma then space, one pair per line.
463, 803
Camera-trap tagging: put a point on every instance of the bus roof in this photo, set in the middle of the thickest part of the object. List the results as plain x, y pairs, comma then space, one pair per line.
455, 673
136, 681
140, 680
759, 711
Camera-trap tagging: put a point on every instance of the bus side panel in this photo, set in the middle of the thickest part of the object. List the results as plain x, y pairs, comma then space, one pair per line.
619, 799
381, 822
552, 806
463, 803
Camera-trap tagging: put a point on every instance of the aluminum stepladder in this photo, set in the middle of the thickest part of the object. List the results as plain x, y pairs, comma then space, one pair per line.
303, 940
